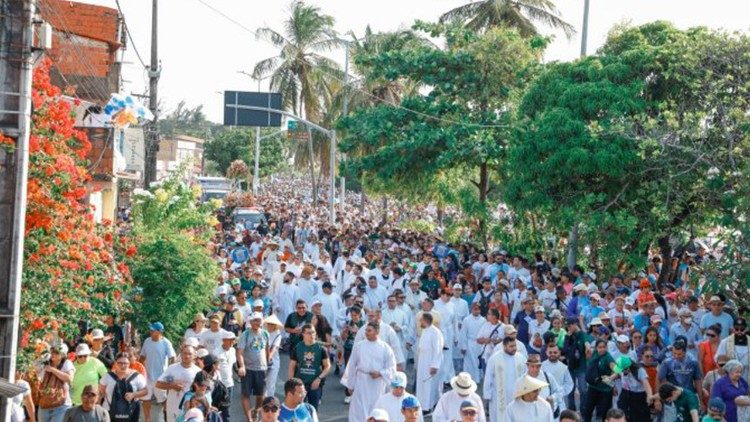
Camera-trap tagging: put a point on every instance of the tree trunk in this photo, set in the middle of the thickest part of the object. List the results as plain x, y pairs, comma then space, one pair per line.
384, 218
665, 249
573, 247
440, 214
362, 201
484, 187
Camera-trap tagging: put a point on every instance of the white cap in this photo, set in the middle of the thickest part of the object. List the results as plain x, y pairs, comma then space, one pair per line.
228, 335
83, 350
96, 334
458, 286
255, 315
539, 308
630, 301
258, 303
580, 287
222, 290
191, 341
379, 415
202, 353
622, 338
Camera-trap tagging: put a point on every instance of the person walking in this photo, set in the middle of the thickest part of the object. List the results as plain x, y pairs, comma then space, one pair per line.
88, 372
177, 380
309, 362
392, 401
156, 355
88, 410
252, 364
463, 388
55, 375
122, 389
527, 405
429, 359
503, 369
275, 332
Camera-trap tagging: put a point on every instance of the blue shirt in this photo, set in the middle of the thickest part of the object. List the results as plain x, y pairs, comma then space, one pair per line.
157, 355
304, 412
521, 321
725, 390
681, 373
724, 319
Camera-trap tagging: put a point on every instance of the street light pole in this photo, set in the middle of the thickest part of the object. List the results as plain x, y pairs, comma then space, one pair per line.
585, 29
332, 209
256, 170
345, 111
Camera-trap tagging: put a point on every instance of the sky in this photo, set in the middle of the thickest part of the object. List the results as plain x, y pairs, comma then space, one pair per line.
202, 52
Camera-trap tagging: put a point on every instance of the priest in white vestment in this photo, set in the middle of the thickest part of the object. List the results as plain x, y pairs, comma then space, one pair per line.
558, 370
386, 334
391, 401
429, 360
449, 328
553, 392
448, 408
527, 405
461, 311
467, 342
371, 368
504, 367
397, 319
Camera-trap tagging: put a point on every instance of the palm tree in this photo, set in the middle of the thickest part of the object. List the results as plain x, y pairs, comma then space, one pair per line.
299, 72
519, 14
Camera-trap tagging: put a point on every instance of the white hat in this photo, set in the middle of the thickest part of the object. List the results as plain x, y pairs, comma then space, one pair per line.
505, 282
194, 415
630, 301
527, 384
622, 338
580, 288
222, 290
201, 353
463, 384
379, 415
228, 335
97, 334
591, 275
255, 315
273, 320
595, 297
555, 314
191, 341
595, 321
399, 380
458, 286
258, 303
509, 329
83, 350
539, 308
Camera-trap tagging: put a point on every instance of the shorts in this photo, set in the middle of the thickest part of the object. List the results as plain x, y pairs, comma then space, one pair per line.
254, 383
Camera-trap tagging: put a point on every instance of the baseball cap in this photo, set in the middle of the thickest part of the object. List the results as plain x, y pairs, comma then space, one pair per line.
232, 300
228, 335
458, 286
270, 401
622, 338
97, 334
156, 326
603, 330
717, 405
89, 390
466, 404
255, 315
379, 415
580, 288
410, 402
539, 309
191, 341
258, 303
235, 282
656, 318
399, 381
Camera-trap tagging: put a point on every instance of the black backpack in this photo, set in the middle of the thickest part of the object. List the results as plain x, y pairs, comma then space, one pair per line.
484, 302
119, 408
220, 395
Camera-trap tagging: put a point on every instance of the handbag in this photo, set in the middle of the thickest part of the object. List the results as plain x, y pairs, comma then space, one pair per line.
52, 392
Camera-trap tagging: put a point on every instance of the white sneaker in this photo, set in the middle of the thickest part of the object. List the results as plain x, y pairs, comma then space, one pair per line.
347, 399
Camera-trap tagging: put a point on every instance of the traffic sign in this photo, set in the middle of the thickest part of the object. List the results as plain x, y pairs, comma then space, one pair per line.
234, 115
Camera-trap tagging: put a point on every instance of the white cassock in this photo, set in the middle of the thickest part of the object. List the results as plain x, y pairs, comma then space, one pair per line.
414, 300
467, 340
553, 390
286, 299
330, 306
389, 337
429, 355
449, 328
397, 318
392, 405
368, 356
461, 310
448, 408
308, 288
500, 381
521, 411
492, 332
375, 298
560, 372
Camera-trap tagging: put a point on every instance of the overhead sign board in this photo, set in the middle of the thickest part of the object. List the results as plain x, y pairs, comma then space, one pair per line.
235, 115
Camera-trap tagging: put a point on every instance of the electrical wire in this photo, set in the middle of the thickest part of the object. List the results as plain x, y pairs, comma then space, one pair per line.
130, 36
358, 89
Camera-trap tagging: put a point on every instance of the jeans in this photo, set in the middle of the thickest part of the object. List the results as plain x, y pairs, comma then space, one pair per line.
313, 396
579, 381
52, 415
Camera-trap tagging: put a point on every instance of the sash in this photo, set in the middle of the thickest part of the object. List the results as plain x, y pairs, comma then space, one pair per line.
499, 368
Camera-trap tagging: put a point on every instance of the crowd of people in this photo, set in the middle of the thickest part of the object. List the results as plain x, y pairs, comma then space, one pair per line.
415, 328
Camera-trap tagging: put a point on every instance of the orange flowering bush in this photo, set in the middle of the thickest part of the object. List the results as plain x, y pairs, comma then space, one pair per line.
73, 267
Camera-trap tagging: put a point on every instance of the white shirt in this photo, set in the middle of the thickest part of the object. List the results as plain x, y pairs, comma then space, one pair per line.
547, 298
226, 359
182, 376
448, 408
138, 383
211, 340
521, 411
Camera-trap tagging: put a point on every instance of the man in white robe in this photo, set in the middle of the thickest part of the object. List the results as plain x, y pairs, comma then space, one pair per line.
286, 297
467, 343
391, 401
527, 406
448, 408
429, 360
559, 371
553, 392
387, 335
503, 369
375, 294
395, 317
330, 305
461, 311
449, 328
414, 297
371, 368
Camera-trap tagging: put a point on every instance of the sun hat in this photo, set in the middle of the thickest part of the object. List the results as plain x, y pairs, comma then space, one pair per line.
595, 321
399, 380
379, 415
83, 350
273, 320
604, 316
228, 335
527, 384
508, 329
199, 317
463, 384
410, 402
580, 288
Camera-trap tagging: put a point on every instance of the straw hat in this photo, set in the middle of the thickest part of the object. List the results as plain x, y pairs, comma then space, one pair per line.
273, 320
463, 384
527, 385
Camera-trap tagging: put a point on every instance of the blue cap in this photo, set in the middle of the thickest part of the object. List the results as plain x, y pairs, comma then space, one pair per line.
717, 405
157, 326
410, 402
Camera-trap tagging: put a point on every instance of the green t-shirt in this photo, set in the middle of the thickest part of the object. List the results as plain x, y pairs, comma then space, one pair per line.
429, 285
88, 373
349, 342
294, 320
684, 404
247, 284
603, 363
309, 361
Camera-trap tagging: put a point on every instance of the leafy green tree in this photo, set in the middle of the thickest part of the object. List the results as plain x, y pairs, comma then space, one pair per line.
187, 121
520, 14
622, 141
461, 121
239, 144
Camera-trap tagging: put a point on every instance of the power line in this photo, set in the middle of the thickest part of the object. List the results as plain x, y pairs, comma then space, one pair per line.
130, 36
356, 88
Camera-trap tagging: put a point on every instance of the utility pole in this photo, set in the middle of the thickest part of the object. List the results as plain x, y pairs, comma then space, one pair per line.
332, 199
585, 29
256, 169
17, 24
344, 113
152, 147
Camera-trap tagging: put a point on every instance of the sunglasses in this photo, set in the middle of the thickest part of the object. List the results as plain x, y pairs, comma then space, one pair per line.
710, 335
469, 412
648, 356
123, 363
271, 408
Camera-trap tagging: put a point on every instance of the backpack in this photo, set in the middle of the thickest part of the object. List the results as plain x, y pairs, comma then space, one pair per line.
119, 408
220, 395
484, 302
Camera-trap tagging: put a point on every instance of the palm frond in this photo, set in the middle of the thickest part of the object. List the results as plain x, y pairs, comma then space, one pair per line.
266, 66
462, 13
271, 36
548, 17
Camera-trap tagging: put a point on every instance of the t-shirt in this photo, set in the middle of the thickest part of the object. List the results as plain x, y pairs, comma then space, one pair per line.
157, 355
681, 373
309, 361
294, 320
724, 319
635, 385
16, 412
603, 368
253, 347
76, 414
88, 373
210, 339
304, 412
184, 377
138, 383
684, 404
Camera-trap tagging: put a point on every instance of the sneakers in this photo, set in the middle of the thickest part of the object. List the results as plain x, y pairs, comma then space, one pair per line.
347, 399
